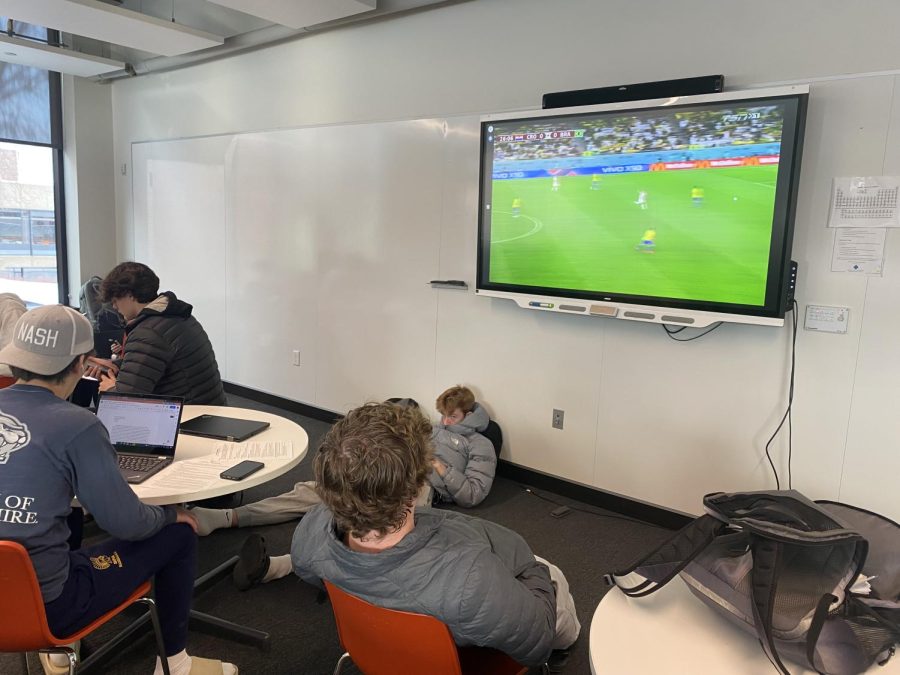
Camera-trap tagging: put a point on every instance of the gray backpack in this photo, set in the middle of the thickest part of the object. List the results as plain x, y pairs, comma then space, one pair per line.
782, 567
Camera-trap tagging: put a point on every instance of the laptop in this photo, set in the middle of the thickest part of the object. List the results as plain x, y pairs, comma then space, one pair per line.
143, 428
222, 428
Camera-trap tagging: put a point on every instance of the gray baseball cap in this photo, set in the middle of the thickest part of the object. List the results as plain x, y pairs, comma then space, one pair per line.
46, 339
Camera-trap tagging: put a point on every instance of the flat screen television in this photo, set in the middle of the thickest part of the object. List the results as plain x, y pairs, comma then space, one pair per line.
672, 211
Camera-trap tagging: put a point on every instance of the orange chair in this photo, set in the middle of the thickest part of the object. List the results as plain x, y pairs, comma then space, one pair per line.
23, 622
386, 641
6, 381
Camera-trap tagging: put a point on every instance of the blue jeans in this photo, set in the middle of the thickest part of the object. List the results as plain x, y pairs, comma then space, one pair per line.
102, 576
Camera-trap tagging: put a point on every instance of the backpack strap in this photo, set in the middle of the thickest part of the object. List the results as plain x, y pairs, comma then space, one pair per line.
815, 628
764, 582
678, 551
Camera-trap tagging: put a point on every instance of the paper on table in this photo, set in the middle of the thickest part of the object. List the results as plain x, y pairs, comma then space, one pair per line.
231, 452
189, 475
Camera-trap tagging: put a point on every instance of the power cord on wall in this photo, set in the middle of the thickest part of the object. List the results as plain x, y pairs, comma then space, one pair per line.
672, 332
787, 413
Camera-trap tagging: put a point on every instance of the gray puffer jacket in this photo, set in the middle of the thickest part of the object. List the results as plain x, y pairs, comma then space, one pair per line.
470, 458
479, 578
167, 352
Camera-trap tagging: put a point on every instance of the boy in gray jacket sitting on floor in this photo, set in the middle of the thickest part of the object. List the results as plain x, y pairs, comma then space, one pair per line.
464, 461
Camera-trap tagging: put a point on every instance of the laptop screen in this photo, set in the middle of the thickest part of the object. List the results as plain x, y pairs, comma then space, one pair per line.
141, 422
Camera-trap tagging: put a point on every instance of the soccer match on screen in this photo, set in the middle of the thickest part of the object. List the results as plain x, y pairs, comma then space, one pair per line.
673, 203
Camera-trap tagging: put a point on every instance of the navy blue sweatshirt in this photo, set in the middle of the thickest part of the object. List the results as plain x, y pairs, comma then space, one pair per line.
51, 451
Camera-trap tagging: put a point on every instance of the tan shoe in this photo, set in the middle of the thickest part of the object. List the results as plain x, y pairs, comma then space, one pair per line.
58, 664
201, 666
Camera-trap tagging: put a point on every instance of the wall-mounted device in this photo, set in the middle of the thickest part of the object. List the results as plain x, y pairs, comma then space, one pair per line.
676, 210
640, 91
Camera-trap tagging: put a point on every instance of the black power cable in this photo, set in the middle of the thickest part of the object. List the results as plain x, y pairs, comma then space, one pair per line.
674, 332
787, 413
582, 509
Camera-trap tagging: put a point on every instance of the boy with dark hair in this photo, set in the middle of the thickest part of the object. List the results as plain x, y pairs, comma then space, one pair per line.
369, 539
51, 450
166, 350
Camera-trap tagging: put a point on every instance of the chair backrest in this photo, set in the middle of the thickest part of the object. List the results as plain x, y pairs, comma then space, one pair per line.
493, 433
23, 622
385, 641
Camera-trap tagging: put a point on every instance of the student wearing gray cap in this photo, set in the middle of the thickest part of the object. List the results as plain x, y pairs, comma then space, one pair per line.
51, 450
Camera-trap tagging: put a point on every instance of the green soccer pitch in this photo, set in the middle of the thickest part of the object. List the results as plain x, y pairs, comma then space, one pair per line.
582, 239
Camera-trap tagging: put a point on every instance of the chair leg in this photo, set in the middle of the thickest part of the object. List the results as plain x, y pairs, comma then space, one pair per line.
157, 633
340, 663
25, 667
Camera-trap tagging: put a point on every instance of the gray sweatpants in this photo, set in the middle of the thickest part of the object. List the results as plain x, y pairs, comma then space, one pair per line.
280, 508
567, 624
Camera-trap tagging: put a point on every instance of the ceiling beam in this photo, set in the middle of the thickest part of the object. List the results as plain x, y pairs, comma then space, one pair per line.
109, 23
299, 13
40, 55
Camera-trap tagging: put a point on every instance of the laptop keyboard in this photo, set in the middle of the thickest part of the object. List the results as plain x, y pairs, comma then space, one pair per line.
138, 463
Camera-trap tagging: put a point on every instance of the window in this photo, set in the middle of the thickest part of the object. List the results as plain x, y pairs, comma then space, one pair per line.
32, 226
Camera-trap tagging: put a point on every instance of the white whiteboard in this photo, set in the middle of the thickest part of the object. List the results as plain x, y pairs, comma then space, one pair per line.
323, 239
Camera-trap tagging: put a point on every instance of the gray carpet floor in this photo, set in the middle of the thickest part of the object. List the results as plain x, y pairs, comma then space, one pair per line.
585, 544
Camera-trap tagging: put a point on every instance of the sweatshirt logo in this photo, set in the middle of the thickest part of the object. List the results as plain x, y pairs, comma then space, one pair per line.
103, 562
13, 436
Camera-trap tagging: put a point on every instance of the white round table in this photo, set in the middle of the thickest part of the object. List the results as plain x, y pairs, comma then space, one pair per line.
673, 632
194, 447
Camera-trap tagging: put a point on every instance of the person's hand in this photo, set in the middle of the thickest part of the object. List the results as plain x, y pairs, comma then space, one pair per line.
185, 516
95, 367
115, 348
107, 381
439, 466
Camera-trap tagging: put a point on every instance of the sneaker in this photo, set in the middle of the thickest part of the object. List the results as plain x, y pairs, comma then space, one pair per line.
57, 663
558, 660
253, 563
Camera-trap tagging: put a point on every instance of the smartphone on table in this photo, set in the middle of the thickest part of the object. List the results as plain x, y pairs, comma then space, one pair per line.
242, 470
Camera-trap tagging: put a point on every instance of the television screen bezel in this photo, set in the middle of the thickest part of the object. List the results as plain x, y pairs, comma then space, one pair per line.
693, 312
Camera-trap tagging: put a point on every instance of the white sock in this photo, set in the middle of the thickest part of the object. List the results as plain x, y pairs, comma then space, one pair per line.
180, 664
279, 566
210, 520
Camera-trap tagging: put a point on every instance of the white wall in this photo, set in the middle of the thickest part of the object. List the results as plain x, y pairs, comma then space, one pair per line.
87, 179
645, 417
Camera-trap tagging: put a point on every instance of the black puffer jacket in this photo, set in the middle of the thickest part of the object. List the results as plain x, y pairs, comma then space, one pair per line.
167, 352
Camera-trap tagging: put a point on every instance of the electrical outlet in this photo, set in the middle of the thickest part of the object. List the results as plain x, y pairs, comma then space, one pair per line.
296, 357
558, 416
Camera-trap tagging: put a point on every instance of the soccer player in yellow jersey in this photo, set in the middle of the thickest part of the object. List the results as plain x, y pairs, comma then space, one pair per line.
516, 207
595, 181
648, 242
697, 195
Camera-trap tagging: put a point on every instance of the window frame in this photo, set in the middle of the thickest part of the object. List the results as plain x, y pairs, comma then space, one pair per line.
59, 204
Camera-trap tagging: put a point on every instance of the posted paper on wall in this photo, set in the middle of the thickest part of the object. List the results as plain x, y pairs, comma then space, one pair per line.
858, 249
865, 201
